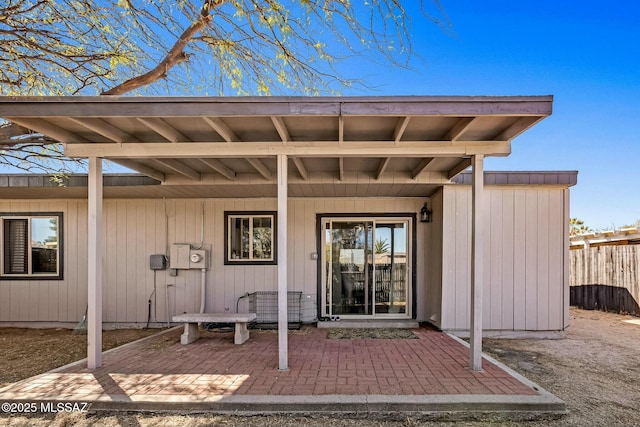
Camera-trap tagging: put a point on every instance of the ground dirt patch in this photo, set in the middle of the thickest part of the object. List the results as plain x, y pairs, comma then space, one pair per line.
595, 369
26, 352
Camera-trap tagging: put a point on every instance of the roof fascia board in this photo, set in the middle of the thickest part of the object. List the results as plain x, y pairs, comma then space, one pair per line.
101, 106
80, 180
525, 178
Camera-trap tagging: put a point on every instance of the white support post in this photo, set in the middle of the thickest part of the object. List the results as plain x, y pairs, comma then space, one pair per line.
283, 326
94, 267
477, 237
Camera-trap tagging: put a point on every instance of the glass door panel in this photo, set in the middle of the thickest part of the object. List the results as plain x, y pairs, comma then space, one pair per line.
348, 274
366, 267
391, 272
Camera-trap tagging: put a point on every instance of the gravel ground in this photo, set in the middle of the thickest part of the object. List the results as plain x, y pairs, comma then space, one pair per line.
596, 370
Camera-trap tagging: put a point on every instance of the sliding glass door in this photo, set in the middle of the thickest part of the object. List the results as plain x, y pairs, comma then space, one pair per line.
366, 267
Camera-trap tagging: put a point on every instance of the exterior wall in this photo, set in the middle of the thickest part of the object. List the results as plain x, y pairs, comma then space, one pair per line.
51, 300
135, 229
525, 263
526, 276
434, 263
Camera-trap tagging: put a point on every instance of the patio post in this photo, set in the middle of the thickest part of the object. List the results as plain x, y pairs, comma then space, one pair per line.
283, 325
477, 237
94, 265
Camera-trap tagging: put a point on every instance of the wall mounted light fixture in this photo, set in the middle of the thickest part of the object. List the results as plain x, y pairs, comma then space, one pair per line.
425, 213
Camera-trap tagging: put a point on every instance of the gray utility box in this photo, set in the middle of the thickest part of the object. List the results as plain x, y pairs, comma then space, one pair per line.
158, 262
182, 257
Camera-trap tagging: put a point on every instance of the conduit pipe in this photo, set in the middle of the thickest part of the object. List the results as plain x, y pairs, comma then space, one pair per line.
203, 287
166, 300
203, 271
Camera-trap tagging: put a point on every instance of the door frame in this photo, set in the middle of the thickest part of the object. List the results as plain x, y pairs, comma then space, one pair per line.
410, 216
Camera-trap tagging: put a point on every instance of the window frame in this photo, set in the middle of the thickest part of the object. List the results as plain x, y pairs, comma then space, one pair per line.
29, 216
229, 216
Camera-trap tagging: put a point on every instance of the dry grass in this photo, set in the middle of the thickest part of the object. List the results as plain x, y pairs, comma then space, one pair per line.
27, 352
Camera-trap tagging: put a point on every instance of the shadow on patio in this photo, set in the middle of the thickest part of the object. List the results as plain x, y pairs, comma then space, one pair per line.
418, 375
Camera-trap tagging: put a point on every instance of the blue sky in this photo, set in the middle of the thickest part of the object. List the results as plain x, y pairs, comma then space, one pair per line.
586, 54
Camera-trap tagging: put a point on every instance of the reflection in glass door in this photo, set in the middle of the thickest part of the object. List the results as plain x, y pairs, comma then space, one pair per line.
366, 267
391, 267
349, 247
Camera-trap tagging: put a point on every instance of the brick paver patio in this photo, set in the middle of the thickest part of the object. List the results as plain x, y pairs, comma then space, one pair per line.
433, 364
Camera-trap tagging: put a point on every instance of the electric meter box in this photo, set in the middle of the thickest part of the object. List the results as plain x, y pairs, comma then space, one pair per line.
182, 257
198, 259
179, 256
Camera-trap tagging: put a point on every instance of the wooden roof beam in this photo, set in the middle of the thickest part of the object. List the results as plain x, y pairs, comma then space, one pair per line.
180, 168
421, 167
278, 122
221, 168
379, 149
401, 126
46, 128
302, 170
105, 129
139, 167
381, 168
459, 128
163, 129
221, 129
517, 128
460, 167
260, 168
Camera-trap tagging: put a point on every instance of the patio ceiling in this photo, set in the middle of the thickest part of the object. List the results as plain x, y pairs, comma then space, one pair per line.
337, 146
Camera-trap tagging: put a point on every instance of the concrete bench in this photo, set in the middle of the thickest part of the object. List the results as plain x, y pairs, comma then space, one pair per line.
191, 321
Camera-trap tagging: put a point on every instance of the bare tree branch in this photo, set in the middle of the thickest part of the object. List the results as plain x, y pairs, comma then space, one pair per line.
39, 157
175, 56
8, 131
242, 47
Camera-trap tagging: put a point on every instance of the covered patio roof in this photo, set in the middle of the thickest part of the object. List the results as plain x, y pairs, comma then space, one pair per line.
352, 146
283, 147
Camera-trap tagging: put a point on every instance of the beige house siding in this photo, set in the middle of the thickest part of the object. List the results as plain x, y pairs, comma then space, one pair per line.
44, 300
434, 263
135, 229
525, 263
525, 283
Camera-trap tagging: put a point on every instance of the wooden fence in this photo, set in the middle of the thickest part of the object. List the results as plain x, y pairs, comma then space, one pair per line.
606, 278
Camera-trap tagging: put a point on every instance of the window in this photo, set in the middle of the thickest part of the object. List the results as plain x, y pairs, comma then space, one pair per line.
250, 238
31, 246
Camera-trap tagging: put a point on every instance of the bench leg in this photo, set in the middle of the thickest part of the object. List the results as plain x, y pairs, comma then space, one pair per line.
242, 333
190, 334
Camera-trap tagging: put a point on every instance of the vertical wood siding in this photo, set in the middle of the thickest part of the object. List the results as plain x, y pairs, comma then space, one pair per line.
434, 263
50, 300
526, 276
524, 271
135, 229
